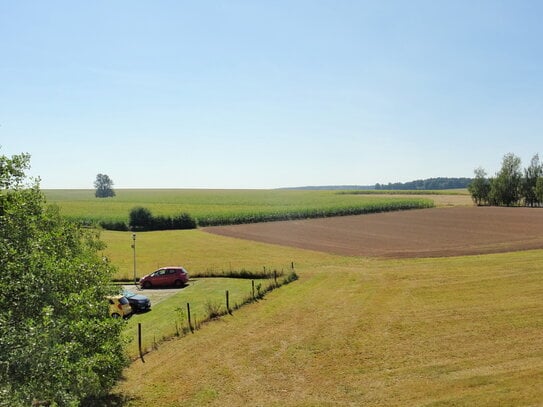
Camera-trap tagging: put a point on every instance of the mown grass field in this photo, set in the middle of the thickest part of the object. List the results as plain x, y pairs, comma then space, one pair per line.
169, 318
457, 331
222, 206
197, 251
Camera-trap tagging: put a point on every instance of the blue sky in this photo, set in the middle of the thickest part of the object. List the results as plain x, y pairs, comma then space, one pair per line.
265, 94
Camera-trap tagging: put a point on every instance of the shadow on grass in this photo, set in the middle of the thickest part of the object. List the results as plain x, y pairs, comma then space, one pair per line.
111, 400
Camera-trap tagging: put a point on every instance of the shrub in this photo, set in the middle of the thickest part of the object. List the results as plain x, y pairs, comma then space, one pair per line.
142, 219
183, 221
114, 225
213, 309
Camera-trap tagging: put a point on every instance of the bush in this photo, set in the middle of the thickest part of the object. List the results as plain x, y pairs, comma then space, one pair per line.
114, 225
142, 219
183, 221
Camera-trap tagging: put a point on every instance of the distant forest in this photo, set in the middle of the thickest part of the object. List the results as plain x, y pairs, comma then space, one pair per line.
420, 184
428, 184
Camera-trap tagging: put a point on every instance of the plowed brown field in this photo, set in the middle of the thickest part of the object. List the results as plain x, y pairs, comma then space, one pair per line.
435, 232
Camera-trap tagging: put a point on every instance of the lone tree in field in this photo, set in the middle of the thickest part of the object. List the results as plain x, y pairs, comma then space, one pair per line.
58, 344
104, 186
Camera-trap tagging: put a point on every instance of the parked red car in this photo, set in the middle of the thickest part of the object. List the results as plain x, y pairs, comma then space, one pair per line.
165, 276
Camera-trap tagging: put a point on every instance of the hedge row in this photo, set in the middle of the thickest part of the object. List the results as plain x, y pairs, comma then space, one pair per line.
141, 219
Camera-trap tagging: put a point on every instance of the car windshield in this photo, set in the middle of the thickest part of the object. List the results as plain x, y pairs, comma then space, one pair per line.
128, 294
123, 300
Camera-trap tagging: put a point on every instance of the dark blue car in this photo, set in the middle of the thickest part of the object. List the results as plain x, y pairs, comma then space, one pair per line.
138, 302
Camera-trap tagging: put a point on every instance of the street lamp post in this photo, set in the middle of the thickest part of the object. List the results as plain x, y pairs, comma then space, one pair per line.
134, 249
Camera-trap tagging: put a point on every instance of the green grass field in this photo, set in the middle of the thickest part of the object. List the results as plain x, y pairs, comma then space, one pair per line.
169, 318
459, 331
197, 251
222, 206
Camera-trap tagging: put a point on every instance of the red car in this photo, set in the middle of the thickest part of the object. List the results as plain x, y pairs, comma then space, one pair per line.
165, 276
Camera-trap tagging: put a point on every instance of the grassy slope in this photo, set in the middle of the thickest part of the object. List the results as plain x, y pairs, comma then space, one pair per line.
169, 317
351, 331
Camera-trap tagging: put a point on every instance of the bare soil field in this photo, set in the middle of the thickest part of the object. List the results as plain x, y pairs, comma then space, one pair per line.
436, 232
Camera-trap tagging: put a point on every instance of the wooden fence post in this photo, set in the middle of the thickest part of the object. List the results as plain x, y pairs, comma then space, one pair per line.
228, 302
139, 342
188, 313
253, 284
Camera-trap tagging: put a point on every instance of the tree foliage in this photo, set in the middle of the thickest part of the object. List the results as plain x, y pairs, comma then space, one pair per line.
427, 184
104, 186
511, 186
529, 183
142, 219
479, 188
539, 190
505, 188
58, 344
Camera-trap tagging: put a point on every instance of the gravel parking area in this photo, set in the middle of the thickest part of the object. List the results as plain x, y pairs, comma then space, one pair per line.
155, 295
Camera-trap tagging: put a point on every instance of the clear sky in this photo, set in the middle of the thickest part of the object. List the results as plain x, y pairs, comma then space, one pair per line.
265, 94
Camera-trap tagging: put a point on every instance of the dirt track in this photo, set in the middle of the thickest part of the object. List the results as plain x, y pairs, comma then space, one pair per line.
435, 232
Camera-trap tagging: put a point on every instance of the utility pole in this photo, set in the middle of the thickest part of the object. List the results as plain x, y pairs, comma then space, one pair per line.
134, 249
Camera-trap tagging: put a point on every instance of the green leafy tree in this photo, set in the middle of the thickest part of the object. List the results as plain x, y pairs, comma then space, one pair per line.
479, 188
505, 189
140, 218
104, 186
531, 175
57, 343
539, 189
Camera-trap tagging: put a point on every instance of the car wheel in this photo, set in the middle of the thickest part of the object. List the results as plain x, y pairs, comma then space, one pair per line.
178, 283
115, 315
147, 284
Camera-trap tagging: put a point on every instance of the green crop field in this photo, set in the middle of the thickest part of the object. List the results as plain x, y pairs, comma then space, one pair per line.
211, 207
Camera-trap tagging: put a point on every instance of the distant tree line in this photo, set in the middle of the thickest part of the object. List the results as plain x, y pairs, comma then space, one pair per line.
427, 184
511, 186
